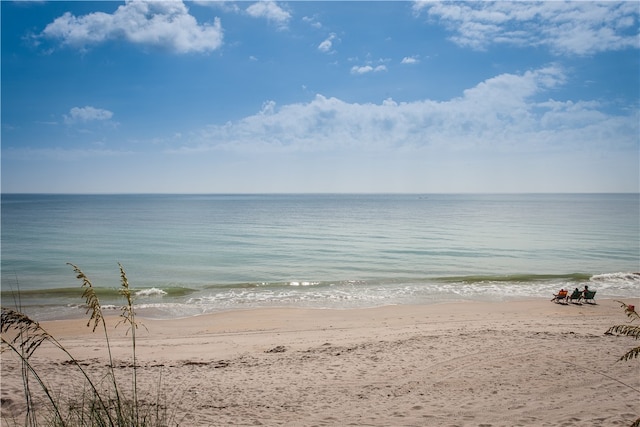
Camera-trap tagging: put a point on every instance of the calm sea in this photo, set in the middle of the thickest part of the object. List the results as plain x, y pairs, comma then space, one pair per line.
190, 254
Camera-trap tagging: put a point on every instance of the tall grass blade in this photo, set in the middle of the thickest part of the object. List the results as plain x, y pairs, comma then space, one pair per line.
23, 336
28, 368
93, 306
129, 318
29, 335
628, 330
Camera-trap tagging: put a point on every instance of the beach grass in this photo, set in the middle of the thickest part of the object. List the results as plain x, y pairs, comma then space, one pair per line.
102, 400
629, 330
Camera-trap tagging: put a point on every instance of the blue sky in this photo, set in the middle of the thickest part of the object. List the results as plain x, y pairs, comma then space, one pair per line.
251, 97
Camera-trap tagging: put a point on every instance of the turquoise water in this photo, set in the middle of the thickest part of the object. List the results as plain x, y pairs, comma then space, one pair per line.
191, 254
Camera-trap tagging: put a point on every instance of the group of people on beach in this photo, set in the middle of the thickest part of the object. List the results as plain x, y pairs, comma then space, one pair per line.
563, 295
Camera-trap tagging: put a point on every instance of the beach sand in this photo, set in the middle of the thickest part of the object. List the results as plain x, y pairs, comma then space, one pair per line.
524, 363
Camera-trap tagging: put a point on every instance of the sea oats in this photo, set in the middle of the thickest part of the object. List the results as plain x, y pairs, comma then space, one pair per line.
90, 297
628, 330
27, 333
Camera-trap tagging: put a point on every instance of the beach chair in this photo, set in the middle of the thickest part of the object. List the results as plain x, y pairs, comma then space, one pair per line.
560, 297
576, 295
589, 296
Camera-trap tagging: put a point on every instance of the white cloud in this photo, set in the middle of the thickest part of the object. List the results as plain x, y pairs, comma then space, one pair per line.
501, 114
312, 20
364, 69
361, 69
574, 27
225, 5
410, 60
87, 114
270, 11
327, 45
162, 24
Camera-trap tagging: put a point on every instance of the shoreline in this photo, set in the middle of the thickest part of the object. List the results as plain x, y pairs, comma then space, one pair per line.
526, 362
168, 303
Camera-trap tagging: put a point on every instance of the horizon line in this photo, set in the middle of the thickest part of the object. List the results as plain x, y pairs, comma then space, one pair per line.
293, 193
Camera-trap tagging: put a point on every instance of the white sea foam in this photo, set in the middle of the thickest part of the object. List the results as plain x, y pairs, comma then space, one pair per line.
616, 277
152, 292
303, 283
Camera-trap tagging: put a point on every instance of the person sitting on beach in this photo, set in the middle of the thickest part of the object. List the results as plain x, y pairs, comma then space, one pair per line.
586, 289
562, 294
576, 295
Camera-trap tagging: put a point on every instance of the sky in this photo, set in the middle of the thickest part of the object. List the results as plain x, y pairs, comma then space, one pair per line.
320, 97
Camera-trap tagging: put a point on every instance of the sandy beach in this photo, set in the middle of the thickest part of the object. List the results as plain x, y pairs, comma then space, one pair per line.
525, 363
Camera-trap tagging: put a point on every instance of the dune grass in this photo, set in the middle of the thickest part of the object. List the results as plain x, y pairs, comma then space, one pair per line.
629, 330
102, 401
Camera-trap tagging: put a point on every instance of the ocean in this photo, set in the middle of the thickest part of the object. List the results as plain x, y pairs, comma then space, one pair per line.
186, 255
